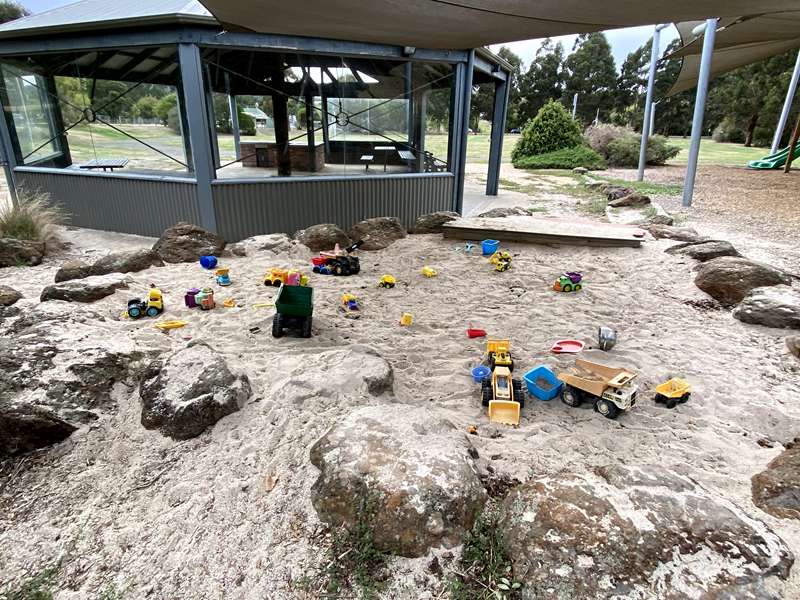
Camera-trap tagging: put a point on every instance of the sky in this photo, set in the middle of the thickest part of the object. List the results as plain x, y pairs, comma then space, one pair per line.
622, 41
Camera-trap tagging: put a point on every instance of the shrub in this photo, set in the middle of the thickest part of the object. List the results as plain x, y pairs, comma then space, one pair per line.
728, 131
624, 151
33, 218
566, 158
174, 120
247, 124
551, 129
600, 136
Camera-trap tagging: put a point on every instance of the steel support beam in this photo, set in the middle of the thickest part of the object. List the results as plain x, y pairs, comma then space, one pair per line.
234, 111
198, 131
9, 158
463, 132
501, 92
787, 106
699, 110
655, 50
212, 119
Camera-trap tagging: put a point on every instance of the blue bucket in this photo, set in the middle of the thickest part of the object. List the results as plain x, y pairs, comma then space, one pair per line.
542, 383
489, 246
480, 373
208, 262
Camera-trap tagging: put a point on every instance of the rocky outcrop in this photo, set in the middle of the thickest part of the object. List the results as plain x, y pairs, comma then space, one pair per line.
85, 290
614, 192
26, 427
634, 200
116, 262
8, 296
682, 234
432, 222
728, 279
664, 219
704, 251
185, 242
190, 390
403, 469
16, 253
775, 306
776, 490
505, 211
323, 237
276, 243
793, 344
73, 269
378, 233
635, 532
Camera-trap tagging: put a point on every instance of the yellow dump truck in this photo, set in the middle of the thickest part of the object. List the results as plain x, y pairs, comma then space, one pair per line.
610, 388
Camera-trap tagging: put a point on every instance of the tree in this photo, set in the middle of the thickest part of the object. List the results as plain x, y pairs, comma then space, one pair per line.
10, 11
543, 82
673, 114
552, 129
145, 107
512, 116
590, 72
165, 105
632, 86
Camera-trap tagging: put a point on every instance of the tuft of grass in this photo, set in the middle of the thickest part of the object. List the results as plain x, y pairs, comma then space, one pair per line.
594, 206
485, 571
650, 212
32, 218
647, 188
37, 587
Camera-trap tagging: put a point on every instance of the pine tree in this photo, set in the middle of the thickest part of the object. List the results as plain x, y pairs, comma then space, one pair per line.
591, 73
543, 81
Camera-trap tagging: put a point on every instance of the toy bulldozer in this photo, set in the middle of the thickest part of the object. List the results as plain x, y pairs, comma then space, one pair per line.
497, 352
501, 393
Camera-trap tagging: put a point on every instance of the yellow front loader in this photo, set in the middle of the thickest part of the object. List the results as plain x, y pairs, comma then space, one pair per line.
503, 395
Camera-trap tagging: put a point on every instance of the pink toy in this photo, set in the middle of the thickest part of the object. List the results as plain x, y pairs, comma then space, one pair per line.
567, 346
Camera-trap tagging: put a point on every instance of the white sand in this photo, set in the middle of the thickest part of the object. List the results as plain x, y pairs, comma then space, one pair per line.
211, 526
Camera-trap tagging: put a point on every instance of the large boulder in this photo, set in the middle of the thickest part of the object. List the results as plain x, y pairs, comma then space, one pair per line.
728, 279
635, 532
663, 219
276, 243
378, 233
116, 262
793, 344
85, 290
15, 253
404, 469
775, 306
682, 234
776, 490
634, 200
323, 237
73, 269
704, 251
8, 296
432, 222
185, 242
189, 391
615, 192
26, 427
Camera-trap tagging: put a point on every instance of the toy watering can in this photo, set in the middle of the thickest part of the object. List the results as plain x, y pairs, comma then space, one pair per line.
606, 338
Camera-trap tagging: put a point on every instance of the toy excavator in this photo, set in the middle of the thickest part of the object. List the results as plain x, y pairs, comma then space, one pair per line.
501, 260
502, 394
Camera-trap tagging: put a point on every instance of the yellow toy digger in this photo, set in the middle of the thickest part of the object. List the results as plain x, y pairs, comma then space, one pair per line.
503, 395
497, 352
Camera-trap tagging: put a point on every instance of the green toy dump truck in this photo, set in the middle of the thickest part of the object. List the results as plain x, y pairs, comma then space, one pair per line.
294, 305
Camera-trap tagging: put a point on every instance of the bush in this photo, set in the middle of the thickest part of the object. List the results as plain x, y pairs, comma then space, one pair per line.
33, 218
174, 120
247, 124
624, 151
566, 158
551, 129
600, 136
728, 131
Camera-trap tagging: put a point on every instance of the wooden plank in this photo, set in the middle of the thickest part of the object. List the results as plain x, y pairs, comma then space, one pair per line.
535, 230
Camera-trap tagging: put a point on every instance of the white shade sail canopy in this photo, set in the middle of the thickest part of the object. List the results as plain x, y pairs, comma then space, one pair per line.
739, 41
462, 24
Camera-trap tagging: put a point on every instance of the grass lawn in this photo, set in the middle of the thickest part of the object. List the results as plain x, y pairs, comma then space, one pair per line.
717, 153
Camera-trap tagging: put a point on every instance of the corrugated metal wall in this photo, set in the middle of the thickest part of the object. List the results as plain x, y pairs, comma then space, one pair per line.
252, 207
140, 205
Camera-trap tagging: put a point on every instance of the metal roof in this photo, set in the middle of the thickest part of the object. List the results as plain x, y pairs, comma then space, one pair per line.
104, 14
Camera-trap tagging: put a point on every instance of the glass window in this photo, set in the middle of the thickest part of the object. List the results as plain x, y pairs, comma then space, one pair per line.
31, 113
307, 115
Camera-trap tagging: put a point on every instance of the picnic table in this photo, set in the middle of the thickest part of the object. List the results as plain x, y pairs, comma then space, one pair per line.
385, 150
408, 157
105, 163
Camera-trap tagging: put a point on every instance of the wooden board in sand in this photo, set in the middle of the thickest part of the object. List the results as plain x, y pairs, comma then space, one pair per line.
536, 230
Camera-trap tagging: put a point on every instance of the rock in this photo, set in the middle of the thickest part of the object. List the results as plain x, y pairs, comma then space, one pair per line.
73, 269
8, 295
126, 262
26, 427
276, 243
729, 278
634, 200
776, 490
15, 253
704, 251
793, 344
682, 234
378, 233
323, 237
190, 390
405, 470
660, 220
432, 222
615, 192
505, 211
580, 170
775, 306
85, 290
237, 249
635, 532
185, 242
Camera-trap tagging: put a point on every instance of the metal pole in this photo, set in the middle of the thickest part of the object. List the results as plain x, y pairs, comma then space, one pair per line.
699, 109
574, 105
501, 92
463, 132
787, 106
653, 117
234, 117
647, 123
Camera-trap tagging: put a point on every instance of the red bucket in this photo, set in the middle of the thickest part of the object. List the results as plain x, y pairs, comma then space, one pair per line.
475, 333
318, 261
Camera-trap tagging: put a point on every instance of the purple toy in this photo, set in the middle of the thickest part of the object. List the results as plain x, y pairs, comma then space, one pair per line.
573, 276
189, 298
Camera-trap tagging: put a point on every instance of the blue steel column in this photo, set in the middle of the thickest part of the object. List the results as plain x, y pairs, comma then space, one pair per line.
463, 133
454, 133
199, 128
234, 110
787, 106
501, 91
8, 158
699, 110
655, 50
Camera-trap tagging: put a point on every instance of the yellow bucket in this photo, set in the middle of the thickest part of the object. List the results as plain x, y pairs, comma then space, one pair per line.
406, 319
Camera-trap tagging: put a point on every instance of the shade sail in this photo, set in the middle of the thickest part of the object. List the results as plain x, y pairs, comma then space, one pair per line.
739, 41
461, 24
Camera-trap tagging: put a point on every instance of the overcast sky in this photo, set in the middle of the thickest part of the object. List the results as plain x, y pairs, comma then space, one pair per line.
622, 41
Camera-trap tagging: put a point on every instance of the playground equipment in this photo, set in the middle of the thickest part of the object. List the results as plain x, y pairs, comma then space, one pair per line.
406, 319
294, 306
152, 307
542, 383
672, 392
775, 161
205, 299
609, 388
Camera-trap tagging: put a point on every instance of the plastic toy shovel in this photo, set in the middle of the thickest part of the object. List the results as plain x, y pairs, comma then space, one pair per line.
567, 346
